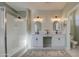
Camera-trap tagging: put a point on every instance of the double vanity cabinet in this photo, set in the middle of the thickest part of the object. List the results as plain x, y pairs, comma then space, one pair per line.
46, 41
51, 37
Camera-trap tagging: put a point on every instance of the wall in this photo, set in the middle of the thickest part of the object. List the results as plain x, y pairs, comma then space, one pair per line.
46, 13
2, 33
66, 13
69, 6
77, 24
73, 25
28, 25
16, 35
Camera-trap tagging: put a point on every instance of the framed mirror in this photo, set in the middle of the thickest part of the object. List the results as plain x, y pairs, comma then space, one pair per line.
37, 27
56, 26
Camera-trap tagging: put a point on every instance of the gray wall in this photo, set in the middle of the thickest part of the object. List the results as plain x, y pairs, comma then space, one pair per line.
65, 13
73, 25
77, 24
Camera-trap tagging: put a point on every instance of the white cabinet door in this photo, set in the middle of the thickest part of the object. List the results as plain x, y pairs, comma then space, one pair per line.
58, 42
36, 41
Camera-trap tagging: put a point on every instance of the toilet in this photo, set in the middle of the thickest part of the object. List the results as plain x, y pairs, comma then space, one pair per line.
73, 42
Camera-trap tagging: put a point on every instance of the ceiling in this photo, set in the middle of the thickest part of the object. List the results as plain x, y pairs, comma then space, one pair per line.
22, 6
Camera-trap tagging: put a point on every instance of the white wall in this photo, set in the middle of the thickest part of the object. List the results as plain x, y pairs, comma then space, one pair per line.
16, 35
28, 25
66, 11
46, 13
2, 34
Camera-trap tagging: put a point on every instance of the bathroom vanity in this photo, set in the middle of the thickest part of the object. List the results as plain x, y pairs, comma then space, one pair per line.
48, 34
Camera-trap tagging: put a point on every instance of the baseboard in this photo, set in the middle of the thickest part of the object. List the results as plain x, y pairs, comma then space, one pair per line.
2, 55
14, 51
49, 48
67, 50
20, 55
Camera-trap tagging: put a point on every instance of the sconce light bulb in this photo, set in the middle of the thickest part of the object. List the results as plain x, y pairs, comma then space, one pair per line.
37, 16
19, 17
38, 19
55, 16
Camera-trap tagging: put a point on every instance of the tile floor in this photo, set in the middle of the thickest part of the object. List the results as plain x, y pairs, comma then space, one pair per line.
74, 52
50, 53
46, 53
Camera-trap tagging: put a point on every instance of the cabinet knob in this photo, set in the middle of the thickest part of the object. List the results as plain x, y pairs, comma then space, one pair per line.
36, 38
58, 38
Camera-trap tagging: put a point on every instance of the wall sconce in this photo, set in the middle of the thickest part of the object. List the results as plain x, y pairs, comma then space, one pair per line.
19, 19
40, 19
55, 19
58, 19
